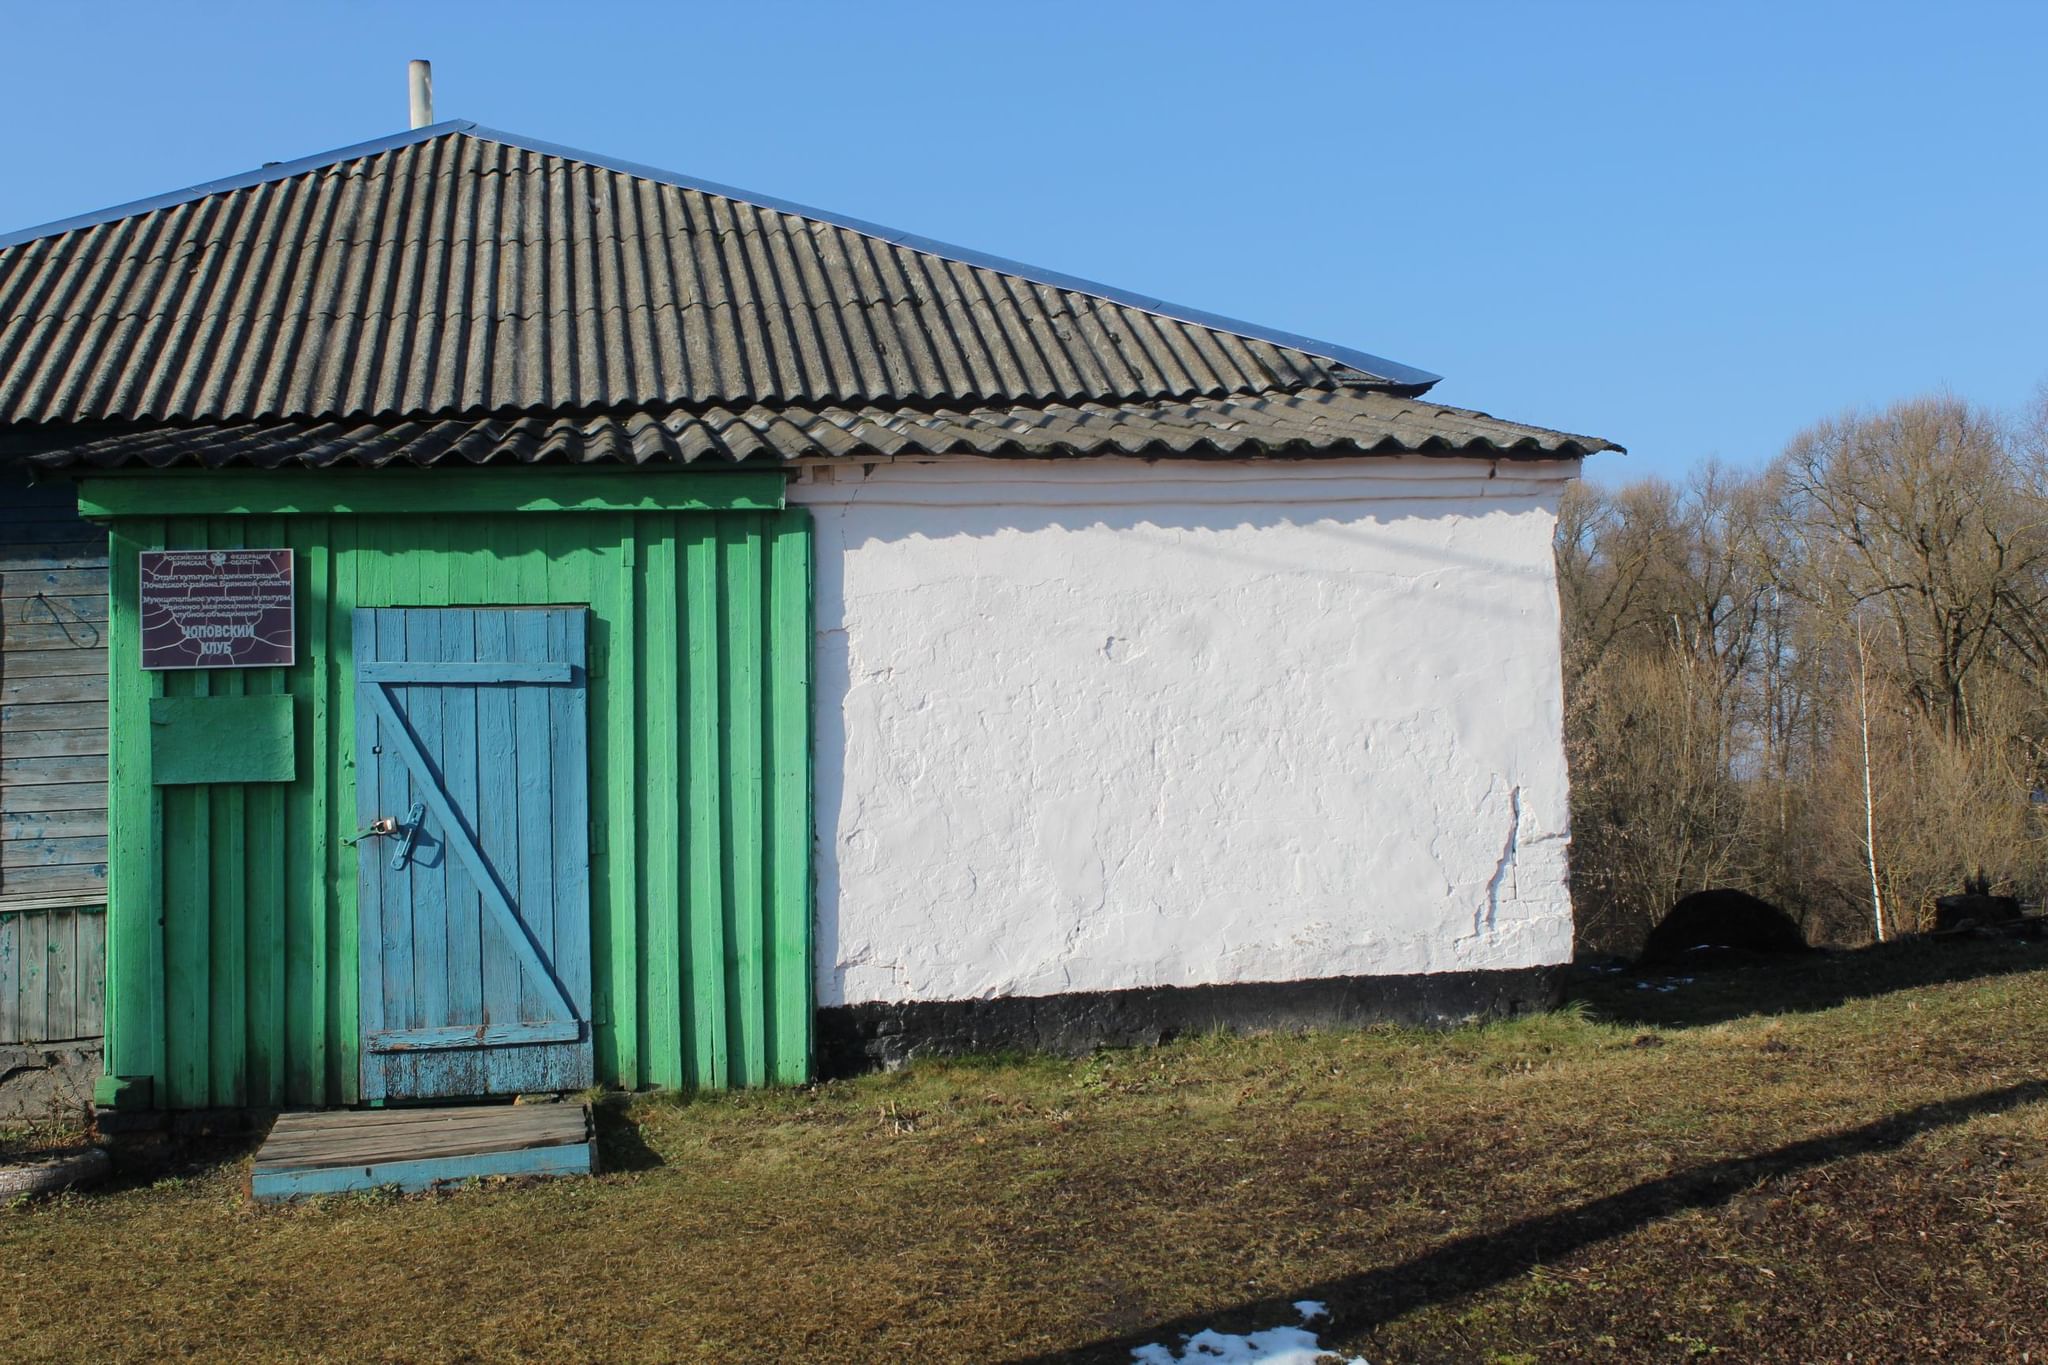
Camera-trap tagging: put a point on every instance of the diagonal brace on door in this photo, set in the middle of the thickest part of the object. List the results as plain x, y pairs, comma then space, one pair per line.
465, 845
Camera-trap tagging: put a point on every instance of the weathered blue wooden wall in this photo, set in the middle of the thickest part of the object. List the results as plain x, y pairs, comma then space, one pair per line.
53, 966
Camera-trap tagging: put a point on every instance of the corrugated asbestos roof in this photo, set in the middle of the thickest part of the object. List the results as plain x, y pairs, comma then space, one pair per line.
466, 273
456, 294
1305, 424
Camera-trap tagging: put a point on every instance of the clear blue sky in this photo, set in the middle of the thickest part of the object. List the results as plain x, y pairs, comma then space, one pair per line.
1690, 228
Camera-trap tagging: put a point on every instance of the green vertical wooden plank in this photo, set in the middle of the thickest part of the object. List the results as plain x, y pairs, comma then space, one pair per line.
155, 850
188, 896
228, 913
499, 575
429, 552
371, 563
704, 844
227, 1032
789, 796
340, 965
302, 884
187, 892
135, 1041
622, 911
572, 576
739, 543
660, 811
263, 860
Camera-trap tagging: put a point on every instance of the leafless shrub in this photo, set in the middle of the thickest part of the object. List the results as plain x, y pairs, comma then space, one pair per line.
1822, 683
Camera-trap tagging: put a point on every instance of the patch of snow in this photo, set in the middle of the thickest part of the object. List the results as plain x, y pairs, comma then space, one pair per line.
1272, 1346
1667, 985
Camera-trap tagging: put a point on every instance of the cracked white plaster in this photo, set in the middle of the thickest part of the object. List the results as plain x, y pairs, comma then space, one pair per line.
1089, 725
1505, 868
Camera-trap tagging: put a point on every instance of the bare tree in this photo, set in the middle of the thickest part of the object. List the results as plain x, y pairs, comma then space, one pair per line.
1927, 516
1823, 682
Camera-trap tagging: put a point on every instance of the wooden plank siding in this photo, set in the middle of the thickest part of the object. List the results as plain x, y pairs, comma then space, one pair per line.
234, 959
53, 698
52, 974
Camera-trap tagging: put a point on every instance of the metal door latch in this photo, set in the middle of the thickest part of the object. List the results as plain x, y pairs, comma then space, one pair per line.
379, 828
407, 833
410, 833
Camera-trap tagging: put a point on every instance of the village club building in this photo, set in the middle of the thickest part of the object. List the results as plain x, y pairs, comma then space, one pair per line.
570, 624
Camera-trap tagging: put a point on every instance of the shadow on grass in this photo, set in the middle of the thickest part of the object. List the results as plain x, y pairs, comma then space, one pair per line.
1359, 1303
142, 1162
1684, 997
620, 1146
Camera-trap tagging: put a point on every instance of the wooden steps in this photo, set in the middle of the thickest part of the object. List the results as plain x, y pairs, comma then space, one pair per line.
328, 1153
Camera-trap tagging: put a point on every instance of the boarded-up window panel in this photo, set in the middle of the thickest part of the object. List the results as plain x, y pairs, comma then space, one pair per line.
53, 694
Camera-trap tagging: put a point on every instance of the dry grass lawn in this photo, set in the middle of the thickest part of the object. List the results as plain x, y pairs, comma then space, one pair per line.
1836, 1159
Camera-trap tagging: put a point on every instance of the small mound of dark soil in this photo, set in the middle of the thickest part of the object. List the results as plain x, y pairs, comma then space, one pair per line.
1721, 925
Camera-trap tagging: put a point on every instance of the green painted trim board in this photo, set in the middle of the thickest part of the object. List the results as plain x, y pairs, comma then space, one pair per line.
384, 493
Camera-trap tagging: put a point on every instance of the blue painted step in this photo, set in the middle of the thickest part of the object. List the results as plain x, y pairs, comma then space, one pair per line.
415, 1149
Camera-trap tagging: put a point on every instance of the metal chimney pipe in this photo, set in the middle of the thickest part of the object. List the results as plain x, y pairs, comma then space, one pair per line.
420, 77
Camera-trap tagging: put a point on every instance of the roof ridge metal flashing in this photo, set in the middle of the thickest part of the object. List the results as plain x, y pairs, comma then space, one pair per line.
1376, 369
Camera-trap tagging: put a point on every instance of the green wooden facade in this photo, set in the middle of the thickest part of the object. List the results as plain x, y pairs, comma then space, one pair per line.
232, 951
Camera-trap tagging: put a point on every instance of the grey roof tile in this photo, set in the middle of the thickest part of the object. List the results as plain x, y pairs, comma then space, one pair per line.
1310, 423
459, 272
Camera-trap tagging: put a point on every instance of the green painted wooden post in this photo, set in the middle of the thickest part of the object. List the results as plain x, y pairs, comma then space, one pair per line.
134, 1045
299, 1069
789, 891
616, 948
233, 952
340, 1013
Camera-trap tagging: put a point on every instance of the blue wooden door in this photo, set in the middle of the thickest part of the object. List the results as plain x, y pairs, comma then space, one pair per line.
474, 891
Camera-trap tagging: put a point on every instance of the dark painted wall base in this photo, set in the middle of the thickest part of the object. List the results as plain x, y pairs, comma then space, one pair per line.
854, 1038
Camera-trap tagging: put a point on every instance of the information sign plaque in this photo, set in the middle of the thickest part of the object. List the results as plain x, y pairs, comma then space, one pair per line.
217, 609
